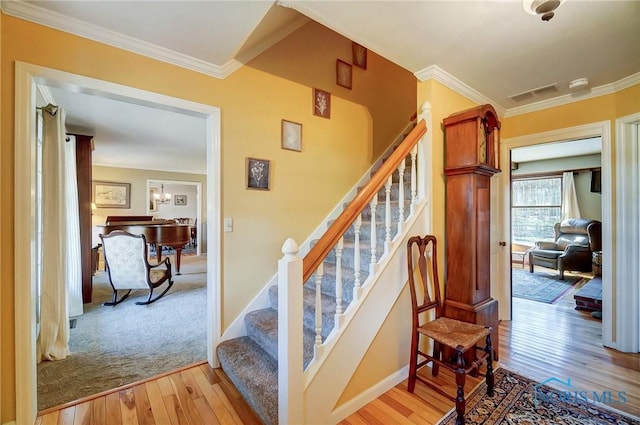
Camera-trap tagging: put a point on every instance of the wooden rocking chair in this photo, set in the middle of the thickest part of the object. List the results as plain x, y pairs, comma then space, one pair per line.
128, 267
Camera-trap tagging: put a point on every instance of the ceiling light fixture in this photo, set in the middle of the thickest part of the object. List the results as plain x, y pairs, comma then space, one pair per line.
162, 198
543, 8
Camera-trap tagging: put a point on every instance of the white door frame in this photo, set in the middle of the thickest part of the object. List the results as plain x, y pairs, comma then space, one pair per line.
27, 77
624, 261
599, 129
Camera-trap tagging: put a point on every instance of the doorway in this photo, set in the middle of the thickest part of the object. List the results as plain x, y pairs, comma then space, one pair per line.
27, 78
600, 129
549, 183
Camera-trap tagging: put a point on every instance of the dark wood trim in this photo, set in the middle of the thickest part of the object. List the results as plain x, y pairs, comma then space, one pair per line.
84, 147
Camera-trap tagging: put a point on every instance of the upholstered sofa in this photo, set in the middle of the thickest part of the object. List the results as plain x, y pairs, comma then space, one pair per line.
575, 240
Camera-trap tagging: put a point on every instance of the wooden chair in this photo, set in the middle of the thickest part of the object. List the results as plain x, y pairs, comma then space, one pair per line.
128, 267
461, 337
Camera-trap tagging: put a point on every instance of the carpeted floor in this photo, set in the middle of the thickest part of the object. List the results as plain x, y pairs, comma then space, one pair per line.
520, 401
114, 346
541, 286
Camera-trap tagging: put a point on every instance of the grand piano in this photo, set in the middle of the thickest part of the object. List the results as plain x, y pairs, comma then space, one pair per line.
158, 233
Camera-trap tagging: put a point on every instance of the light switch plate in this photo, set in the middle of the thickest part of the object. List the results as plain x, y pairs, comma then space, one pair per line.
228, 225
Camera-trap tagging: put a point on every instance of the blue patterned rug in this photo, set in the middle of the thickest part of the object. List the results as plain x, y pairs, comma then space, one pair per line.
540, 286
520, 401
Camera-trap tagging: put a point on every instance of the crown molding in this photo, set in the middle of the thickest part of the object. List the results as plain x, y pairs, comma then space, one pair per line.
32, 13
605, 89
434, 72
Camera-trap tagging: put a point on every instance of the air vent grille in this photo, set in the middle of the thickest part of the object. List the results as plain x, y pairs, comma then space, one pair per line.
530, 94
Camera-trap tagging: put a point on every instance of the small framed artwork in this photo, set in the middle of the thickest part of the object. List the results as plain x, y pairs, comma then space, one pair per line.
257, 171
291, 136
359, 55
343, 74
321, 103
111, 194
180, 200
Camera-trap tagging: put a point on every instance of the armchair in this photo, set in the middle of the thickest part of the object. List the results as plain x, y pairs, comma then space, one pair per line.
575, 240
126, 261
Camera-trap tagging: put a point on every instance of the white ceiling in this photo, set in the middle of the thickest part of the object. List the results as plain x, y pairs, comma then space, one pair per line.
488, 50
557, 150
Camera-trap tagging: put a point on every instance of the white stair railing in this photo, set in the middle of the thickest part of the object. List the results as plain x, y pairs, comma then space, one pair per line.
290, 312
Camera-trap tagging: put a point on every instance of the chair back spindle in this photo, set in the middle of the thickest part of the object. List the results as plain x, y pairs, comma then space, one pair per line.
428, 282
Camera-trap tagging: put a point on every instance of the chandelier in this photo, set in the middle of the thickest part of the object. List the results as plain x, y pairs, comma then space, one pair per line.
162, 198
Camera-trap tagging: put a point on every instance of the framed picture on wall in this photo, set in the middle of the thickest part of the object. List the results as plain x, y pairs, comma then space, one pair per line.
111, 194
291, 136
321, 103
257, 173
343, 74
180, 200
359, 55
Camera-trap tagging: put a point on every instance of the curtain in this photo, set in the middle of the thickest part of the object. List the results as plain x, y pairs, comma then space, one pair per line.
58, 234
72, 235
570, 208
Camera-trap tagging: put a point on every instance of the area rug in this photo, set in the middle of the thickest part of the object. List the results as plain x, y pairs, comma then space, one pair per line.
520, 401
540, 286
115, 346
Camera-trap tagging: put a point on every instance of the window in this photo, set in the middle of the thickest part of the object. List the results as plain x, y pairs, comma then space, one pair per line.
535, 208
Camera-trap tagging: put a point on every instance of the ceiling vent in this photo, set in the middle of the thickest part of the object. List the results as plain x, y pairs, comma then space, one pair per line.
530, 94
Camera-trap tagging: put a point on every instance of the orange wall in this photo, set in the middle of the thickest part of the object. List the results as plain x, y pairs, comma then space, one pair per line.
336, 152
308, 56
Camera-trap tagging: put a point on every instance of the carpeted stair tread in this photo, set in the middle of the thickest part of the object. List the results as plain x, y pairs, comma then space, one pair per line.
262, 328
255, 375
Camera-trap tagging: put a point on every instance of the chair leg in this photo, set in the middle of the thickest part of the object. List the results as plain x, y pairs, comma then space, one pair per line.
489, 375
149, 300
460, 380
115, 300
413, 362
435, 367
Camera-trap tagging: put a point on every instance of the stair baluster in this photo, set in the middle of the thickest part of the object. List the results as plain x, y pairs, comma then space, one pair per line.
414, 177
319, 273
339, 247
387, 214
401, 168
373, 238
356, 254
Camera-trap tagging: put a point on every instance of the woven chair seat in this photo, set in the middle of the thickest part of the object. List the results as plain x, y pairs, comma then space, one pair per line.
454, 333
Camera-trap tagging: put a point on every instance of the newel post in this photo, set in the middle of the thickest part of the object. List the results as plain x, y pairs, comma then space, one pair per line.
290, 385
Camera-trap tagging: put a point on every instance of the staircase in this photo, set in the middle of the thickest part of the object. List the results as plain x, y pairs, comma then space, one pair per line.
251, 361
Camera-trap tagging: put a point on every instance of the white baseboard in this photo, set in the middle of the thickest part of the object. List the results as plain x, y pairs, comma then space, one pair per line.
347, 409
10, 423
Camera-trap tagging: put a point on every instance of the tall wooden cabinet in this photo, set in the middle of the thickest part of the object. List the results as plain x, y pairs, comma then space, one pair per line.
471, 158
84, 148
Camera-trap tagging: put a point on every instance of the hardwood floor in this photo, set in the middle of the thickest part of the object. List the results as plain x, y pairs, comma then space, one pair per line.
197, 395
542, 341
